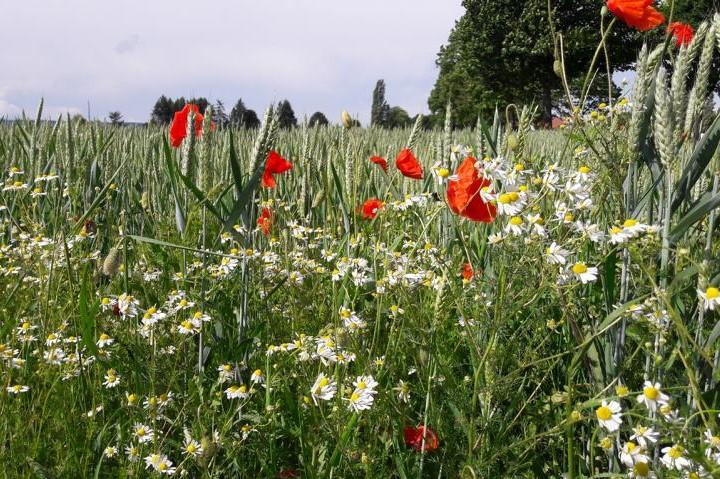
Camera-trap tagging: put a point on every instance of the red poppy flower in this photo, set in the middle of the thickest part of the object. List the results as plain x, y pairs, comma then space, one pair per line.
264, 222
409, 165
414, 438
381, 162
467, 272
274, 165
178, 127
371, 208
286, 473
682, 32
463, 194
639, 14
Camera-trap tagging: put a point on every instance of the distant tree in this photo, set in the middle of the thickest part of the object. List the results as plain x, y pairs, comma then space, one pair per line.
503, 51
250, 120
163, 111
398, 118
237, 113
380, 109
219, 116
318, 119
116, 118
78, 119
286, 115
200, 102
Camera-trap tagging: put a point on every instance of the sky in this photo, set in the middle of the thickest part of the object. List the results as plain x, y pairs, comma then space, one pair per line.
321, 55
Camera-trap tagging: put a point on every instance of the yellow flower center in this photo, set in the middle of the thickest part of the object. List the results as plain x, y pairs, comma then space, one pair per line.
604, 413
443, 172
629, 223
641, 469
651, 393
355, 397
676, 451
579, 268
622, 391
191, 448
712, 293
615, 230
323, 382
569, 217
361, 385
519, 167
631, 446
584, 170
516, 221
507, 198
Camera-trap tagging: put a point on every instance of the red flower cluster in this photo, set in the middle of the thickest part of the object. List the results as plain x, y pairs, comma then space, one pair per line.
265, 221
371, 208
639, 14
682, 32
274, 165
409, 165
381, 162
463, 194
178, 127
406, 162
414, 438
467, 272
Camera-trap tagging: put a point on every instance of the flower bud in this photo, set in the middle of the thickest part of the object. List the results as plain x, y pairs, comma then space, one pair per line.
558, 68
346, 119
111, 265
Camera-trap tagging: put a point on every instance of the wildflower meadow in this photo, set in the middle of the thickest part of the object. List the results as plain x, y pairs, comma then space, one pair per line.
338, 302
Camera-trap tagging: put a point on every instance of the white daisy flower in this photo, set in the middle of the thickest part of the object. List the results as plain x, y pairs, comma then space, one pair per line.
609, 415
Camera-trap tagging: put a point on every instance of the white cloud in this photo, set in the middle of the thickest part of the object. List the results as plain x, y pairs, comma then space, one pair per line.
320, 54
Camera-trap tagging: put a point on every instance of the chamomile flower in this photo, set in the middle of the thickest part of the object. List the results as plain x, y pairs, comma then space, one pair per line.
641, 470
237, 392
645, 436
160, 463
112, 379
609, 415
585, 274
515, 226
17, 389
143, 433
710, 297
652, 396
555, 254
257, 377
324, 389
632, 453
191, 447
674, 458
403, 391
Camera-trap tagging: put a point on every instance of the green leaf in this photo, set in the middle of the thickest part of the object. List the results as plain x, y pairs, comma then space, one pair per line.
87, 317
703, 153
704, 205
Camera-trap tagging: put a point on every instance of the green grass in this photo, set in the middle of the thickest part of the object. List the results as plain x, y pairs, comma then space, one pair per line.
509, 369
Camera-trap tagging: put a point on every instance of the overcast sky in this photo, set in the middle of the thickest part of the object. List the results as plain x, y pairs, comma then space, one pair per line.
320, 54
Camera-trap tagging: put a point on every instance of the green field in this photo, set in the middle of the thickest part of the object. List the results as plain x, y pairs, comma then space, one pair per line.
148, 326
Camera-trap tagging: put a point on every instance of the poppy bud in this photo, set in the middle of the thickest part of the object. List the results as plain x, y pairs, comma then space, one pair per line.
512, 141
604, 11
111, 265
557, 68
346, 119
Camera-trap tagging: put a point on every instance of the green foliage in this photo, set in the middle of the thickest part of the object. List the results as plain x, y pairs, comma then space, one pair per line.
380, 110
503, 51
286, 115
318, 119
